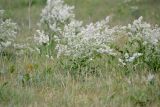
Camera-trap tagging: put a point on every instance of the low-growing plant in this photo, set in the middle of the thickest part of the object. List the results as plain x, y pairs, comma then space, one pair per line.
8, 32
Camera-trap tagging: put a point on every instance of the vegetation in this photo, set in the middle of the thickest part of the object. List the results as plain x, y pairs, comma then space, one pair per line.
74, 57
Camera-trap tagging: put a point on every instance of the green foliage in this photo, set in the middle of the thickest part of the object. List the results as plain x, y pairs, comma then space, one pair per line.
152, 56
21, 3
32, 80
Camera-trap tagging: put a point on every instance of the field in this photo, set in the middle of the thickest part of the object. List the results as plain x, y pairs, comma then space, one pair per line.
77, 68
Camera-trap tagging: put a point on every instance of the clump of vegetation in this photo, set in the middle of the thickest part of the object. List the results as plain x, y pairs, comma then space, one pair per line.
66, 62
8, 32
76, 41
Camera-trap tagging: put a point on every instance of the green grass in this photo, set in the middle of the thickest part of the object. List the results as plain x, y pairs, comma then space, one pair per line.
33, 80
89, 10
37, 81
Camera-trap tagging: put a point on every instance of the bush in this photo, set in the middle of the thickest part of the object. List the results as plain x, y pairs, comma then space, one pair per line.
8, 32
70, 38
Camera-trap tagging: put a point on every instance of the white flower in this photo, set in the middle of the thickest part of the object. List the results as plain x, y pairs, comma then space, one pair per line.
79, 41
8, 32
150, 77
41, 38
133, 57
55, 14
121, 61
144, 31
129, 59
75, 40
126, 55
37, 50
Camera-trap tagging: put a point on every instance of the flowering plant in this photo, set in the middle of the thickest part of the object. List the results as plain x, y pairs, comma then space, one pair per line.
73, 39
143, 42
70, 38
55, 15
78, 41
7, 32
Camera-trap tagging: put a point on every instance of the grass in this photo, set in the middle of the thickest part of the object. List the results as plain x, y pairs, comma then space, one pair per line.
89, 10
33, 80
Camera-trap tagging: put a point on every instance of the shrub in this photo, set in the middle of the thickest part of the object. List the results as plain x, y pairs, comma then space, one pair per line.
72, 39
60, 30
143, 43
8, 32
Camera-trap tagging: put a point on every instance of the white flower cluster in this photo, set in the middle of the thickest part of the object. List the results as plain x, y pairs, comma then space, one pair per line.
144, 31
41, 38
147, 37
7, 32
74, 39
79, 41
56, 14
129, 59
71, 37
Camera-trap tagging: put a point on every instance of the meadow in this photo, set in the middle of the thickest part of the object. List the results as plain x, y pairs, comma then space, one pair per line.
54, 55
